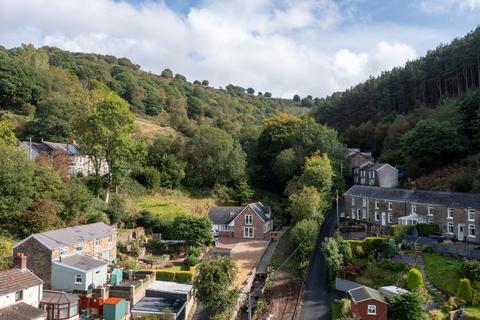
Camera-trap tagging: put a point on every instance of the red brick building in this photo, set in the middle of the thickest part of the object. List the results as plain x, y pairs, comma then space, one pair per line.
251, 222
368, 304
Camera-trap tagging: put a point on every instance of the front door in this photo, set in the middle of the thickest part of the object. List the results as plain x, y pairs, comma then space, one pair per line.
461, 232
384, 219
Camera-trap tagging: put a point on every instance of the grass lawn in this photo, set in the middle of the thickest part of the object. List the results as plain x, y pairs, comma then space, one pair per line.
179, 268
443, 272
472, 312
170, 204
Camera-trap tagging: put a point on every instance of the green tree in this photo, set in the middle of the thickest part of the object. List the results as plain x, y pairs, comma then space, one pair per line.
163, 155
108, 134
304, 236
415, 279
285, 165
77, 202
116, 209
345, 250
213, 283
7, 132
41, 216
213, 156
464, 291
242, 193
406, 306
307, 204
152, 178
296, 98
196, 230
333, 256
317, 173
251, 91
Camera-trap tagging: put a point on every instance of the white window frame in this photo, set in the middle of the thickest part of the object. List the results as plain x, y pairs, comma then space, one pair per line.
364, 202
248, 219
430, 221
353, 201
372, 309
389, 217
472, 227
110, 239
63, 251
75, 279
377, 204
377, 216
97, 242
389, 205
79, 245
429, 211
246, 232
414, 208
364, 214
472, 213
450, 224
449, 213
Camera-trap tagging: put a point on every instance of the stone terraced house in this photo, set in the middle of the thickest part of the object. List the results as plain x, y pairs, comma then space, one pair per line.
457, 214
70, 255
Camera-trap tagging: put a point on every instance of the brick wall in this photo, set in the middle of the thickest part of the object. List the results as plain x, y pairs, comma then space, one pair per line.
257, 225
360, 309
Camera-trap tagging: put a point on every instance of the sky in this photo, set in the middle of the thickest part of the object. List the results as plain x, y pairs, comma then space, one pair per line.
287, 47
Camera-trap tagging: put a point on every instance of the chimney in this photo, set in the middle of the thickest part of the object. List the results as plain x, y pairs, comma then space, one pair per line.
20, 261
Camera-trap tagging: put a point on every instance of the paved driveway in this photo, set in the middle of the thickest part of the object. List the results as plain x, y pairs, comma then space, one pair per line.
318, 296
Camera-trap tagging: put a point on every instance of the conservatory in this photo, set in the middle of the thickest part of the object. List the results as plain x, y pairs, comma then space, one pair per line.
411, 219
60, 305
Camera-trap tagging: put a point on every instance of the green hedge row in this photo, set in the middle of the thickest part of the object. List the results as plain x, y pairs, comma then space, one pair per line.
176, 276
427, 229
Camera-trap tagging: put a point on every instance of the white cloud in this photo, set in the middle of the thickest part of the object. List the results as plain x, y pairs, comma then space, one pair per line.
283, 46
443, 6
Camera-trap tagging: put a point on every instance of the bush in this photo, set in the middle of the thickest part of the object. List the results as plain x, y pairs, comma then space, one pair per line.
426, 229
464, 291
341, 309
414, 279
357, 248
165, 275
195, 251
462, 183
345, 249
392, 265
191, 260
406, 306
470, 269
131, 264
333, 257
452, 303
152, 178
476, 293
184, 277
436, 314
304, 234
398, 231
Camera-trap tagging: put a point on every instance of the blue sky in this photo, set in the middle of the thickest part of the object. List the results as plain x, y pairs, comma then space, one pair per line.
283, 46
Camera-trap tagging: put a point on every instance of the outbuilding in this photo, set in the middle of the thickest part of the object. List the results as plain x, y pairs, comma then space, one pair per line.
368, 303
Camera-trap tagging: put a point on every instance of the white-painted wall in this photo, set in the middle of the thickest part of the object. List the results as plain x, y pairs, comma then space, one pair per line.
31, 296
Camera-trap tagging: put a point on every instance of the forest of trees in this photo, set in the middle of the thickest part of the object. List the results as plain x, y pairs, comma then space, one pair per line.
419, 117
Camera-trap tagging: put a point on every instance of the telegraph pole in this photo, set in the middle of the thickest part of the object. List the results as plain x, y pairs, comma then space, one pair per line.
338, 212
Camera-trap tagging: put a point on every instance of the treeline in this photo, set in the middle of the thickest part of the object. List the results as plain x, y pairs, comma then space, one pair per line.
420, 116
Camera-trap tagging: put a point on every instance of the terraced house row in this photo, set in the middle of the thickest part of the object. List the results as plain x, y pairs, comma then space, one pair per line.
456, 214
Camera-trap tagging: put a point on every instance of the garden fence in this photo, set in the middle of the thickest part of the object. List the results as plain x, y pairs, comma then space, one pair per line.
454, 250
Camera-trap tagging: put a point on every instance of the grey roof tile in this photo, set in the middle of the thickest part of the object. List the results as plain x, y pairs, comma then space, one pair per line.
365, 293
21, 311
82, 262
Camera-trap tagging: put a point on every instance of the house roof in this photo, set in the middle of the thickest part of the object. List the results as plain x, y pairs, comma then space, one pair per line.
157, 305
58, 297
16, 279
375, 166
448, 199
365, 293
170, 287
72, 235
82, 262
225, 215
49, 147
21, 311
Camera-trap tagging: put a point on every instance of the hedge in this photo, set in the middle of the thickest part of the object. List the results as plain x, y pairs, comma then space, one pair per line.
184, 277
425, 229
165, 275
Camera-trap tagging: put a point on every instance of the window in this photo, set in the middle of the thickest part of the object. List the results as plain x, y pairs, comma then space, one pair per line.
353, 201
359, 214
97, 241
109, 239
224, 227
79, 246
471, 230
389, 206
377, 216
248, 232
248, 219
363, 173
414, 208
430, 221
450, 227
18, 295
63, 251
364, 202
372, 309
450, 213
78, 279
364, 214
389, 217
429, 211
353, 213
471, 215
377, 204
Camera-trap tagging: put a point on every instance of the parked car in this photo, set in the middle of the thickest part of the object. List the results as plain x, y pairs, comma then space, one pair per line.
437, 237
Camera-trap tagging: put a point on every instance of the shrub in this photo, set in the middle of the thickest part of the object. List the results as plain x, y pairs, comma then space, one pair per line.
406, 306
426, 229
152, 178
333, 256
357, 248
304, 234
470, 269
464, 291
436, 314
131, 264
462, 183
345, 249
195, 251
414, 279
451, 304
184, 277
191, 260
398, 231
342, 309
165, 275
476, 293
392, 265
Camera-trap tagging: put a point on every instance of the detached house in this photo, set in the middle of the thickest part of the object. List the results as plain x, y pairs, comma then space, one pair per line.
457, 214
253, 221
368, 303
73, 258
20, 292
378, 174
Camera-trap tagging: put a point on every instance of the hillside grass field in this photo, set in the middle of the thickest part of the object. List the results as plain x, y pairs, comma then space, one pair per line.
443, 272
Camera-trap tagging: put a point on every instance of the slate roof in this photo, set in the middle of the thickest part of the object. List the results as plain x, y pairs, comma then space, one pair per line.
447, 199
225, 215
365, 293
15, 279
82, 262
49, 147
73, 235
21, 311
158, 305
58, 297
